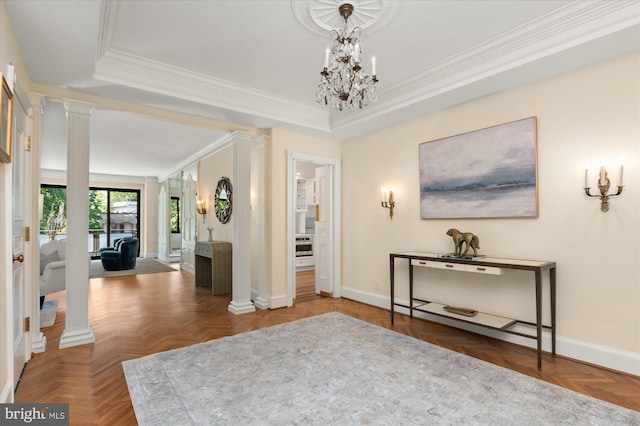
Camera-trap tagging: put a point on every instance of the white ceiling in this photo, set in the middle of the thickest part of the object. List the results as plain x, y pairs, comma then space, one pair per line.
257, 63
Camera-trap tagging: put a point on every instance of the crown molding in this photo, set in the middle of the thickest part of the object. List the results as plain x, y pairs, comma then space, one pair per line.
61, 175
572, 25
223, 142
126, 69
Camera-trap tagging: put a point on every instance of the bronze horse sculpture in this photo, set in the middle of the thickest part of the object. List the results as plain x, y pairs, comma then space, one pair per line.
468, 238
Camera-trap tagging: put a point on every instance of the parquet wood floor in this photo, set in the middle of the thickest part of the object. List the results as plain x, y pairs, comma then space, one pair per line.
306, 286
133, 316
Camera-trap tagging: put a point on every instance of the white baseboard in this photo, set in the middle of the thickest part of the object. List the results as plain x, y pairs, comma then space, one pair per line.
615, 359
150, 254
38, 342
276, 302
6, 397
269, 302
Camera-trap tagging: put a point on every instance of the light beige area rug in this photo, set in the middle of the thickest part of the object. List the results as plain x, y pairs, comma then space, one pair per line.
332, 369
143, 266
48, 313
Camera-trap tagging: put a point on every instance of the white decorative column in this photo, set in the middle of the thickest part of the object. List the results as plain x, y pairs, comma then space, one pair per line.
38, 339
262, 300
77, 330
241, 211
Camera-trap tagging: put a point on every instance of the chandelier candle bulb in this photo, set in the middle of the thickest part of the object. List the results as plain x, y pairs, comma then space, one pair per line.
373, 65
602, 172
326, 58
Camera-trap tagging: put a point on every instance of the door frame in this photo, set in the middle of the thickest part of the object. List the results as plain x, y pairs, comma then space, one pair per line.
6, 286
334, 255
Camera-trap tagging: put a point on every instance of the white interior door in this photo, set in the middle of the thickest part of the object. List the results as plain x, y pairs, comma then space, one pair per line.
189, 224
18, 162
322, 238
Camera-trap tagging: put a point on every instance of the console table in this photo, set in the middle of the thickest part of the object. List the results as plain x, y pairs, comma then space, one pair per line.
486, 265
213, 266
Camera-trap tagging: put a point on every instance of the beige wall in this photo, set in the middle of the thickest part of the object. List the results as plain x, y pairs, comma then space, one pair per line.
588, 114
10, 51
149, 205
210, 169
281, 143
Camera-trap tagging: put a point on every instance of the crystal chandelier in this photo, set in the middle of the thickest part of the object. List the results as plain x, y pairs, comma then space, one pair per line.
344, 84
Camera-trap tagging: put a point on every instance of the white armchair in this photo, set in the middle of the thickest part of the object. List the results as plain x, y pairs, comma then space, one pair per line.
52, 268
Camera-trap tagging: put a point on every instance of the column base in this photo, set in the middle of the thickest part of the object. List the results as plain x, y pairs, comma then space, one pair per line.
77, 337
38, 343
241, 307
261, 303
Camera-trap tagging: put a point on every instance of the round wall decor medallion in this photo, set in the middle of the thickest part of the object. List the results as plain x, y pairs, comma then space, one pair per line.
223, 199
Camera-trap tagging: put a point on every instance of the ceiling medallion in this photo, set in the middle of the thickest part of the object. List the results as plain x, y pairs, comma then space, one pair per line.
344, 84
319, 16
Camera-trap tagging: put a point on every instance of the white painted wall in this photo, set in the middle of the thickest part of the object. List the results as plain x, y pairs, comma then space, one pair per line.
588, 114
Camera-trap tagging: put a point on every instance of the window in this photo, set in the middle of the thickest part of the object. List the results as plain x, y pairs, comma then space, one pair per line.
113, 213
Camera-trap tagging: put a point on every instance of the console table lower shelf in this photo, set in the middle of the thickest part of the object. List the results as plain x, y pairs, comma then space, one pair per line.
481, 318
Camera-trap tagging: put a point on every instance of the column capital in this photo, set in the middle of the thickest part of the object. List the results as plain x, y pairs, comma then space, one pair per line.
240, 136
38, 99
261, 141
74, 107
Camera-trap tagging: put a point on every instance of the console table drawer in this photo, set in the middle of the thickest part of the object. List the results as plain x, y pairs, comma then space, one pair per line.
425, 263
491, 270
439, 265
452, 266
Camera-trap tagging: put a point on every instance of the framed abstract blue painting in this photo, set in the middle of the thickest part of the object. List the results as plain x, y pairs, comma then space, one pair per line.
487, 173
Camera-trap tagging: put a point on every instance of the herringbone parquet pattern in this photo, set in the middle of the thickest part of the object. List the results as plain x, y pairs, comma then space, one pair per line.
134, 316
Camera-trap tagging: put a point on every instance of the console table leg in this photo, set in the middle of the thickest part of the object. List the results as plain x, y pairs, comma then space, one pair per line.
410, 290
539, 317
392, 284
552, 290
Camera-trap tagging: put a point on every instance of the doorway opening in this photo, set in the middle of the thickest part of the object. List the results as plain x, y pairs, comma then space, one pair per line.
313, 227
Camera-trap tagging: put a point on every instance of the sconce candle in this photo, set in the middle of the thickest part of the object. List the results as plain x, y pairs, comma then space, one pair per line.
587, 166
387, 200
621, 162
201, 208
603, 184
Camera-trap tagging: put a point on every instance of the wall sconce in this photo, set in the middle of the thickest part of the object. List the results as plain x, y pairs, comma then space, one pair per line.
387, 200
201, 206
603, 184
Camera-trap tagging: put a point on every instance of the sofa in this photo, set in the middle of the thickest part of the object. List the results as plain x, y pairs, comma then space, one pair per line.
52, 268
121, 256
